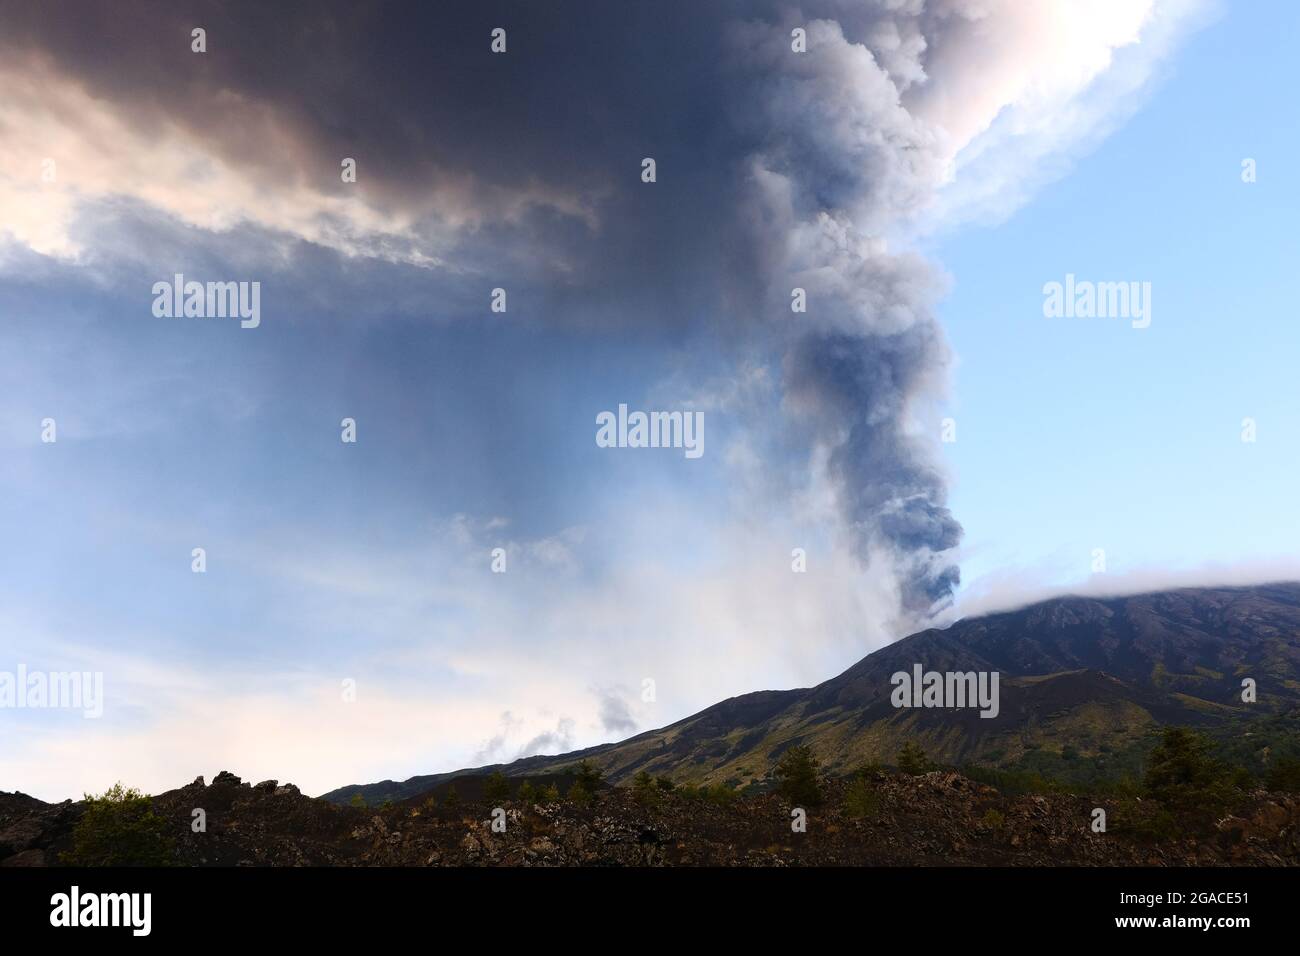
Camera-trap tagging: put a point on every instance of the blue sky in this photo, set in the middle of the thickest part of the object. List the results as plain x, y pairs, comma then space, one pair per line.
921, 193
1077, 434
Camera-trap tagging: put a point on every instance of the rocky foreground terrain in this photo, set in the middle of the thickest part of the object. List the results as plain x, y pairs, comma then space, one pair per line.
940, 818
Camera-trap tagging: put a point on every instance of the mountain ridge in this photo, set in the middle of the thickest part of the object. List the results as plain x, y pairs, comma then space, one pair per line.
1080, 676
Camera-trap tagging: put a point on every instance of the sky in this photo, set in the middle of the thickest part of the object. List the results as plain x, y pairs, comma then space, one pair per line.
934, 444
1075, 434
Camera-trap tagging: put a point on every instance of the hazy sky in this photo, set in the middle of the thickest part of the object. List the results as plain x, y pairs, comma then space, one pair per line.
922, 170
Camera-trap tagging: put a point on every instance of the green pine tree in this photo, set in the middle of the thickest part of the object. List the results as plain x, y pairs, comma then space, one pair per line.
496, 788
1186, 779
913, 760
797, 776
589, 775
644, 790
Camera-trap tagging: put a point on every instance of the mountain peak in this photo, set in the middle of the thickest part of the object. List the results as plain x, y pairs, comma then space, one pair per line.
1080, 678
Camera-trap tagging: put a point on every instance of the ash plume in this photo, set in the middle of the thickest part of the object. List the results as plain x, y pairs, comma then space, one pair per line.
779, 169
840, 163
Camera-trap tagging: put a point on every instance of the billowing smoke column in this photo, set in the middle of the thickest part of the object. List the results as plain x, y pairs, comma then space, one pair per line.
784, 161
840, 163
889, 496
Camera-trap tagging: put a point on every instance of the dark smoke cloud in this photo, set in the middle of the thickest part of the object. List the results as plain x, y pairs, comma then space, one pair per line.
888, 492
776, 170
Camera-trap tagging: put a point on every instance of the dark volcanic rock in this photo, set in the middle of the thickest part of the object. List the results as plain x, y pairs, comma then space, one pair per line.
936, 819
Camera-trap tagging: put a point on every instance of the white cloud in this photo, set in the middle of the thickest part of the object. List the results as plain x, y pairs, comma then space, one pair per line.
1033, 85
1010, 588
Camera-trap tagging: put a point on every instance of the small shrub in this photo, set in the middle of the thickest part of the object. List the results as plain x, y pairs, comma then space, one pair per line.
527, 792
1146, 819
120, 828
358, 801
451, 799
862, 800
993, 819
1284, 775
579, 794
720, 793
1010, 782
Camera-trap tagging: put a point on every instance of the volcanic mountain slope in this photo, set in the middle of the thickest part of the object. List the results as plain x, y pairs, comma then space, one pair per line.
1081, 679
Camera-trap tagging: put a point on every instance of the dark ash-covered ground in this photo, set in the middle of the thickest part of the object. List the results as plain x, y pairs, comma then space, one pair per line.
941, 818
